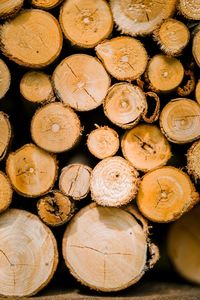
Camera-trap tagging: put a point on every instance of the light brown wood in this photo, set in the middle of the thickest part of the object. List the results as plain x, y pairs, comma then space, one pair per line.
55, 209
125, 58
5, 79
36, 87
183, 245
164, 73
180, 120
150, 118
141, 17
187, 87
196, 47
8, 8
172, 36
115, 244
114, 182
5, 134
146, 147
193, 157
32, 39
45, 4
165, 194
28, 254
55, 128
190, 9
81, 82
86, 22
103, 142
5, 192
124, 104
197, 91
74, 181
32, 171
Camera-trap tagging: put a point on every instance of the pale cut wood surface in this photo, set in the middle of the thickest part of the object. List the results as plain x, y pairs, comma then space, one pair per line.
196, 46
193, 157
5, 79
8, 8
5, 192
5, 134
190, 9
46, 4
197, 91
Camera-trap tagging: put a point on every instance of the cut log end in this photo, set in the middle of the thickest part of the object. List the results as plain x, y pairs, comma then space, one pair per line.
86, 23
75, 181
193, 157
45, 4
146, 147
32, 171
114, 182
197, 92
5, 134
165, 194
5, 79
196, 48
190, 9
55, 128
9, 8
5, 192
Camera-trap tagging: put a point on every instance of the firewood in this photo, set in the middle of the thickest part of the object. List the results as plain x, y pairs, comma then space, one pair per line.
183, 245
165, 194
172, 36
86, 23
180, 120
29, 254
146, 147
81, 82
116, 241
32, 171
190, 9
195, 48
103, 142
187, 88
197, 91
114, 182
150, 118
55, 209
5, 134
8, 8
55, 127
125, 58
36, 87
32, 39
164, 73
74, 181
5, 192
124, 104
193, 157
5, 79
141, 18
45, 4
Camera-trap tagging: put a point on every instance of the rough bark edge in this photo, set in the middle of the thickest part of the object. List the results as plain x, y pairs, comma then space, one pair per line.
10, 199
12, 13
9, 136
154, 117
46, 8
189, 87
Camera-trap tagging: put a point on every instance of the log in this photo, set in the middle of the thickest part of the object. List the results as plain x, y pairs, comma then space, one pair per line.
36, 87
189, 9
164, 73
55, 128
5, 134
148, 116
197, 91
165, 194
125, 58
103, 142
141, 18
172, 37
114, 182
86, 23
5, 192
124, 104
81, 82
179, 120
183, 246
29, 254
74, 181
45, 4
145, 147
5, 79
55, 209
195, 48
32, 171
9, 8
32, 39
116, 241
193, 156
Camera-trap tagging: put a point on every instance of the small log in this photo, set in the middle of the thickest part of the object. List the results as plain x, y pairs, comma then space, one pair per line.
32, 171
180, 120
164, 73
114, 182
9, 8
55, 209
125, 58
124, 104
141, 18
32, 46
183, 246
55, 128
103, 142
81, 82
196, 47
29, 254
146, 147
5, 134
118, 240
197, 91
45, 4
74, 181
36, 87
189, 9
86, 23
172, 36
165, 194
5, 192
193, 157
5, 79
